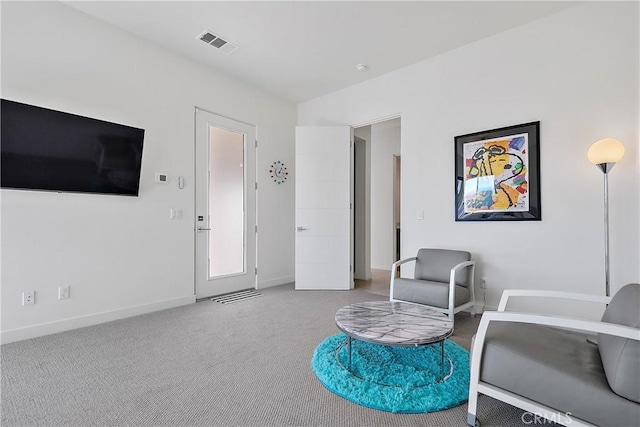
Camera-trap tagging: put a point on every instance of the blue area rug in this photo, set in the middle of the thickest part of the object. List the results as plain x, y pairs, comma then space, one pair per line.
405, 380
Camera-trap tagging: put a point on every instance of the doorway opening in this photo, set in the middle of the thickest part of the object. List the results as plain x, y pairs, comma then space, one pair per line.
377, 201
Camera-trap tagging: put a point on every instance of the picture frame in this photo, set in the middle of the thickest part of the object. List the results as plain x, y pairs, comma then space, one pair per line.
497, 174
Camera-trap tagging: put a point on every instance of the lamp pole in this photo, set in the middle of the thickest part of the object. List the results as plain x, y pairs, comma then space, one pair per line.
604, 153
605, 168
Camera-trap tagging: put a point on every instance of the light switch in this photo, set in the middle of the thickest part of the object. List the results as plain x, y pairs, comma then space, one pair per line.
175, 213
420, 214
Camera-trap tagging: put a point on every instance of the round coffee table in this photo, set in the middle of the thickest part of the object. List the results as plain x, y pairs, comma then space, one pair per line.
395, 323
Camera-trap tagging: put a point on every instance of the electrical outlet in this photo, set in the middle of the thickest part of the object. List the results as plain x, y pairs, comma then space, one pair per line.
63, 292
28, 297
483, 282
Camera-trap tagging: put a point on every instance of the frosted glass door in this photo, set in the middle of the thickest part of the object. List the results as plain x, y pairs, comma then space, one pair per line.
225, 223
226, 202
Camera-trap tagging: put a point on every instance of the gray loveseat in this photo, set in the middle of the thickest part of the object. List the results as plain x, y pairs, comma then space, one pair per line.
532, 362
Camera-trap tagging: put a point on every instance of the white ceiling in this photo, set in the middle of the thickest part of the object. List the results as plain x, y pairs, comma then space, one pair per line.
299, 50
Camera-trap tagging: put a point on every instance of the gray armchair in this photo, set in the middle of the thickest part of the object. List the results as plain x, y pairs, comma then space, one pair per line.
442, 280
542, 364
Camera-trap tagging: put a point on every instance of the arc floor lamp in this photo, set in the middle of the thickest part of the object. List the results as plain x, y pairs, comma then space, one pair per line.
605, 153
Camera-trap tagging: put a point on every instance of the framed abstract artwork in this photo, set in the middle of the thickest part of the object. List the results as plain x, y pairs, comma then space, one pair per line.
497, 174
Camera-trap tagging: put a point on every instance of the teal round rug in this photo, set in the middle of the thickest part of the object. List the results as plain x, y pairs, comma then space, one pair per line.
405, 380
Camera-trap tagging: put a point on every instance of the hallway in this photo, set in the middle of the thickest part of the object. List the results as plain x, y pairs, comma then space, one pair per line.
378, 284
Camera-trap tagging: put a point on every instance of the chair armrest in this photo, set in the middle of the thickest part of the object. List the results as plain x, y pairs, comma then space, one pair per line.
398, 263
394, 267
463, 265
545, 320
573, 323
460, 266
509, 293
452, 281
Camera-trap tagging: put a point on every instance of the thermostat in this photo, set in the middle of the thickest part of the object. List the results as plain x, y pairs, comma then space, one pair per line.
162, 178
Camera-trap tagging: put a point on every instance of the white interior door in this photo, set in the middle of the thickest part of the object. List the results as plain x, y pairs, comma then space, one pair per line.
324, 156
225, 223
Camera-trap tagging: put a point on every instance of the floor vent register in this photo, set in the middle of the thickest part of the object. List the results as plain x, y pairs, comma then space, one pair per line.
236, 297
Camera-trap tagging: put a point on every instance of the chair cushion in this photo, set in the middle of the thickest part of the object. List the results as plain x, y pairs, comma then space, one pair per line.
435, 265
435, 294
621, 356
556, 368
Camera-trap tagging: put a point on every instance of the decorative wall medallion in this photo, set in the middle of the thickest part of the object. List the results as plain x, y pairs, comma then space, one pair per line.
278, 172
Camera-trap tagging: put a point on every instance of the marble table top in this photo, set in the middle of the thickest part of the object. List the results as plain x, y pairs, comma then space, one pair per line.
394, 323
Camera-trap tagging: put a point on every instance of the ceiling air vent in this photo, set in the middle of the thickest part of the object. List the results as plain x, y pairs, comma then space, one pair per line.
222, 45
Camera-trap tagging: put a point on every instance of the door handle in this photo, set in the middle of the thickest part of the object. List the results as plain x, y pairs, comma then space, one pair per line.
203, 229
301, 228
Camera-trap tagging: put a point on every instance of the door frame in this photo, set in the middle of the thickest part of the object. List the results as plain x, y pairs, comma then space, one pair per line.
361, 209
249, 186
353, 172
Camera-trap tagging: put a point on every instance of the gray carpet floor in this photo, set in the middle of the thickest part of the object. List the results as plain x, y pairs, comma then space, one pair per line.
205, 364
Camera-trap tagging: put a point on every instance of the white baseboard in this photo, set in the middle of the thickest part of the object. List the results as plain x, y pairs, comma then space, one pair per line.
42, 329
275, 282
480, 308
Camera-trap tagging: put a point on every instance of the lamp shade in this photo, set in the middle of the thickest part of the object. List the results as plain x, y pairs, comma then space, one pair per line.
606, 150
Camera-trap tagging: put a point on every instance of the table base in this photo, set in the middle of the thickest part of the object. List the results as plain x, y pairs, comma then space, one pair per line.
444, 375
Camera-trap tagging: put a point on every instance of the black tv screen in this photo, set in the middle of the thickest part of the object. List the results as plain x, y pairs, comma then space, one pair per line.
43, 149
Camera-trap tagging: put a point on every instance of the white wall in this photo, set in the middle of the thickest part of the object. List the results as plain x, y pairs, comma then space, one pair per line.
576, 72
123, 255
385, 143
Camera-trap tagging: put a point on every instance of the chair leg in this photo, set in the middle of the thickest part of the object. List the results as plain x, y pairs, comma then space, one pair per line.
472, 409
472, 421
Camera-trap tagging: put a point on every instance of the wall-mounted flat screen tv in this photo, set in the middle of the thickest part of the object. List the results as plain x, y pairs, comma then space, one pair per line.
49, 150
